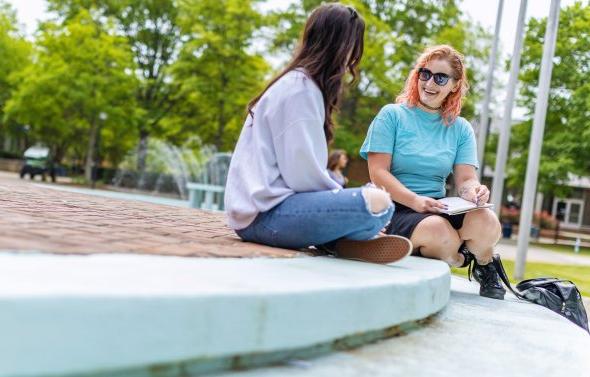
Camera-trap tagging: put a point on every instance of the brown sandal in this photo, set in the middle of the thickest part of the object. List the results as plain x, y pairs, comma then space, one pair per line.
383, 249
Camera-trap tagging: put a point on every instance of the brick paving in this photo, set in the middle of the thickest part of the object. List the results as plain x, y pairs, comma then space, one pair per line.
40, 219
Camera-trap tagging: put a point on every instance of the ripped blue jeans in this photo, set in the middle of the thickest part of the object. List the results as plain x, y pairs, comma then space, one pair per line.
316, 218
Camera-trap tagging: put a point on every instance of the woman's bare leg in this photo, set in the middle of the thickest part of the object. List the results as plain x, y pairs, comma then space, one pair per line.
481, 231
435, 238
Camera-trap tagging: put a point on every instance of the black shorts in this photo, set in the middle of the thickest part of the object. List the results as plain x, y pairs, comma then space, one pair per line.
405, 220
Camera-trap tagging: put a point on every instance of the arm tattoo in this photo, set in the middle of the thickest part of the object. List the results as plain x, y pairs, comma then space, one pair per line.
466, 186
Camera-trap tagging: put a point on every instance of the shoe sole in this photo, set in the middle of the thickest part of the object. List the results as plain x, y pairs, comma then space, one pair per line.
496, 296
382, 250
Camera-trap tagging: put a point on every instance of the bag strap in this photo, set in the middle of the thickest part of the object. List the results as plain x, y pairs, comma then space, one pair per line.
502, 273
536, 282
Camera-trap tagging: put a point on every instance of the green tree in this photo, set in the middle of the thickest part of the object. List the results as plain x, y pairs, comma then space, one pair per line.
15, 51
79, 88
151, 29
566, 142
217, 71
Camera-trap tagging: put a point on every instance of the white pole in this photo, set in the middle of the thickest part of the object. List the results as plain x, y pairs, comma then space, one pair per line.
532, 171
504, 141
483, 121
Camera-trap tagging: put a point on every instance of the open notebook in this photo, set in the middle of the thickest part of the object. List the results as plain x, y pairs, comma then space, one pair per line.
457, 205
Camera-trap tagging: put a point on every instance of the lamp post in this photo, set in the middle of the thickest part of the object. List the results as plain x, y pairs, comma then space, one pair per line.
25, 141
102, 116
532, 170
504, 141
484, 119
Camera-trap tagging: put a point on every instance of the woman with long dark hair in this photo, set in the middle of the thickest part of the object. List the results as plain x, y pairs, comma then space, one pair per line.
278, 190
337, 162
412, 147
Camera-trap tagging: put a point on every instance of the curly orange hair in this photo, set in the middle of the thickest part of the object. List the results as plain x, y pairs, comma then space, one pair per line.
451, 106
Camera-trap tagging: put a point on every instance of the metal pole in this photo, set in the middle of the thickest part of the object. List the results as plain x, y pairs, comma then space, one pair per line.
504, 141
483, 121
532, 171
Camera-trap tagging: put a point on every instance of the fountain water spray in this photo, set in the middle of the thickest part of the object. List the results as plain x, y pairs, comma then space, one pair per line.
169, 167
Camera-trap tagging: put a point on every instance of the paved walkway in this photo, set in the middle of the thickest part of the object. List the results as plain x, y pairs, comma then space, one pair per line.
41, 219
507, 250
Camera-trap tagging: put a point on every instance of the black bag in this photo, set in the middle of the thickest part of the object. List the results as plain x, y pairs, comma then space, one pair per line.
560, 296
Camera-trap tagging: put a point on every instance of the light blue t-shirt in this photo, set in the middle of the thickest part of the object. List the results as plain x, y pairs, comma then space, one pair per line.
423, 148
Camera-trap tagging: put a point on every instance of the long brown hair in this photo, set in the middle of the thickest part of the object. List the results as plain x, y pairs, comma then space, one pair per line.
451, 106
331, 45
334, 158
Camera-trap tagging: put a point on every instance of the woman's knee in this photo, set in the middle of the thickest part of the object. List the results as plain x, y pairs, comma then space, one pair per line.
377, 200
436, 232
482, 224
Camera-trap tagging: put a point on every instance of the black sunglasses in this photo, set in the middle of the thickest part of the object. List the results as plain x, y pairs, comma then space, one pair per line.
440, 79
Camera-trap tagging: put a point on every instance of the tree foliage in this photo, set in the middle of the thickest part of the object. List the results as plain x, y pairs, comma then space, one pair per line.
150, 28
79, 87
217, 70
15, 51
566, 142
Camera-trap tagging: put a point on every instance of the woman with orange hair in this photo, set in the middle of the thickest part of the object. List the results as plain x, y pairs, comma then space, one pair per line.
412, 147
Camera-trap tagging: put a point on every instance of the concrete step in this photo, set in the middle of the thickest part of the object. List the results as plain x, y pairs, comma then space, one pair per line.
133, 315
472, 336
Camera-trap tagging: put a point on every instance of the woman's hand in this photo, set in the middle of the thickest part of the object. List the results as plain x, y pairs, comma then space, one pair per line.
482, 195
424, 204
476, 193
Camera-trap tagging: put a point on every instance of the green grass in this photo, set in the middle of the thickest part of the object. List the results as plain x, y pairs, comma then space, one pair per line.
580, 275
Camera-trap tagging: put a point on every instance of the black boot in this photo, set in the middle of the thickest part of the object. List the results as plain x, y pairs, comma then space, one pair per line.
490, 284
467, 256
